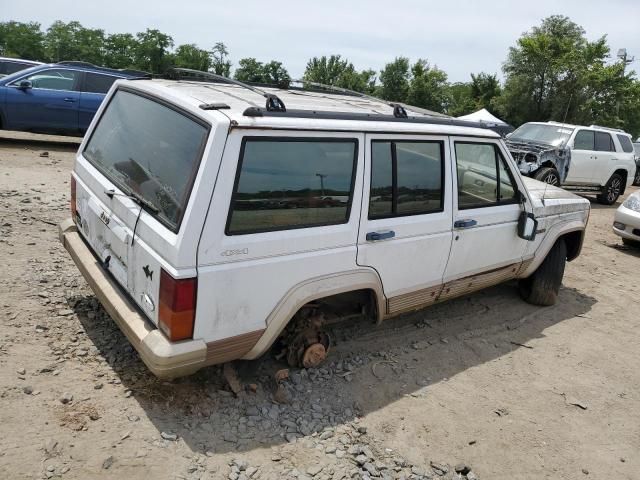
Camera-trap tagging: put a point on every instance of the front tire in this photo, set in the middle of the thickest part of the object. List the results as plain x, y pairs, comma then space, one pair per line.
542, 287
612, 190
548, 175
636, 179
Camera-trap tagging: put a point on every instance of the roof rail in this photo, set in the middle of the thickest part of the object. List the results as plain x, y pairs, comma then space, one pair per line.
126, 71
274, 103
611, 129
370, 117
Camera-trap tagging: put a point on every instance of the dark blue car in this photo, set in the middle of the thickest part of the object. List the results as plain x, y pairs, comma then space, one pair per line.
56, 98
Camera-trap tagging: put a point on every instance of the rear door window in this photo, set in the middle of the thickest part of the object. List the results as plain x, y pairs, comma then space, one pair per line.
286, 183
604, 142
96, 83
584, 140
406, 178
626, 144
151, 149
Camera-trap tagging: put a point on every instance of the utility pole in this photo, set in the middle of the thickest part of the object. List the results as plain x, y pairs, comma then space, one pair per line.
622, 55
322, 177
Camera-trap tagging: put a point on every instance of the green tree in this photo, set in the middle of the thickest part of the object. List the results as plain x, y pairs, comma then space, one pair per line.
190, 56
120, 50
220, 63
546, 69
428, 87
484, 89
461, 101
249, 70
62, 42
275, 73
22, 40
339, 72
152, 51
395, 80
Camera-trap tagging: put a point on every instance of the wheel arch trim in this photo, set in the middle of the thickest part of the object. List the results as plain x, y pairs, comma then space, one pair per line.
314, 289
553, 234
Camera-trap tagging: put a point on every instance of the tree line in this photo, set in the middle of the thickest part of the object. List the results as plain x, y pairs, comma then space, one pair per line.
553, 72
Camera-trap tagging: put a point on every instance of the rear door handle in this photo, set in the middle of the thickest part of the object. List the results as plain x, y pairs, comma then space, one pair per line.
375, 236
69, 99
464, 223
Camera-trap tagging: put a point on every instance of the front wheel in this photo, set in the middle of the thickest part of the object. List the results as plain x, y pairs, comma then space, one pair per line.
542, 287
636, 179
548, 175
611, 190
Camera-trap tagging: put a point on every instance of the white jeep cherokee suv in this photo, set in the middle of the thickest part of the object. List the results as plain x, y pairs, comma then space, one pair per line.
210, 226
586, 160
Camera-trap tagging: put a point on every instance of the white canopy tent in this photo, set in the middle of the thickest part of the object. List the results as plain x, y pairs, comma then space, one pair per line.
490, 121
482, 115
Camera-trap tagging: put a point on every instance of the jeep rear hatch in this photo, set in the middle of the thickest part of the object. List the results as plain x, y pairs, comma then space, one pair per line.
143, 157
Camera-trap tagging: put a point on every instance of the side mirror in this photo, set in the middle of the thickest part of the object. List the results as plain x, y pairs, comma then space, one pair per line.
527, 226
25, 85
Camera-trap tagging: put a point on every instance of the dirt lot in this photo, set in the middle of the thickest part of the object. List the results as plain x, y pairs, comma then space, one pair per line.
511, 390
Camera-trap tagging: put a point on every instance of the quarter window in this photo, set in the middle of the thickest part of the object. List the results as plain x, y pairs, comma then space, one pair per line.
584, 140
604, 142
483, 176
292, 183
406, 178
54, 79
96, 83
626, 144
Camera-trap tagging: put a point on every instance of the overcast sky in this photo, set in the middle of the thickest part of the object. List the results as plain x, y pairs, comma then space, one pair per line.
460, 36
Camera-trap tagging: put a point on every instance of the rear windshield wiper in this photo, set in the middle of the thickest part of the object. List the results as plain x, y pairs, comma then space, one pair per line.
143, 202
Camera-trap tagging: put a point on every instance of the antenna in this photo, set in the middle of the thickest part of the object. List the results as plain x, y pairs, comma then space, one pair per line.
563, 145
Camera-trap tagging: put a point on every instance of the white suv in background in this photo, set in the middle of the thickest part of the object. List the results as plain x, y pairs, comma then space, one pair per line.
587, 160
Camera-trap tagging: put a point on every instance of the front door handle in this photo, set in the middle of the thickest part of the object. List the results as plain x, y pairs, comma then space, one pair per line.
375, 236
467, 223
69, 99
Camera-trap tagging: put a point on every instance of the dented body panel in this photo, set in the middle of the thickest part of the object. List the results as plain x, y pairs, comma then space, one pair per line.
530, 157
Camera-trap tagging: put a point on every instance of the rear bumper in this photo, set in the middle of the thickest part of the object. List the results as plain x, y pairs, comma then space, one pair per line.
164, 358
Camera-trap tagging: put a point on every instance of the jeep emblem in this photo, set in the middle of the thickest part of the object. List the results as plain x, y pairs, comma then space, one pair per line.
105, 219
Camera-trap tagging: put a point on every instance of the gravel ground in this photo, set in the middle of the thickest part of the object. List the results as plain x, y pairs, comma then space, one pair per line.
485, 386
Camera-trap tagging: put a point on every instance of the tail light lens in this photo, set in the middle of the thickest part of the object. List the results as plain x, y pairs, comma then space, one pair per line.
177, 306
74, 210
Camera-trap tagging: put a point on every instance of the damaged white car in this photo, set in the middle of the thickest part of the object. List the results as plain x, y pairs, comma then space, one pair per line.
587, 160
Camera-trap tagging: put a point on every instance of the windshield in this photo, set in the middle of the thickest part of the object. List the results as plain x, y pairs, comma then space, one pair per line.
542, 133
149, 150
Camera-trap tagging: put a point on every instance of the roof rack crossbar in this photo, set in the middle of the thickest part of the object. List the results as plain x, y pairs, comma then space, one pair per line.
273, 104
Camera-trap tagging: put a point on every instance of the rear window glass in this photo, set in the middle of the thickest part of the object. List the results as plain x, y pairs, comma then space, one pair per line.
7, 68
292, 183
150, 149
626, 144
95, 83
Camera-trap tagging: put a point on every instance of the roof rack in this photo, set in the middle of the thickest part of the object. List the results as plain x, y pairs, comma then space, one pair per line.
274, 103
611, 129
127, 71
371, 117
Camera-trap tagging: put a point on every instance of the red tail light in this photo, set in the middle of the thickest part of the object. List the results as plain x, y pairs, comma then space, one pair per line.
177, 306
73, 198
